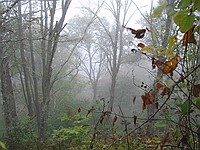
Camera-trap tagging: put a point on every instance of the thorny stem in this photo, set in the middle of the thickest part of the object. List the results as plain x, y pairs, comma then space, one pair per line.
172, 89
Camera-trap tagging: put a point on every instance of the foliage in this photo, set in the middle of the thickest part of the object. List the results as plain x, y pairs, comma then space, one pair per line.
2, 145
75, 135
22, 135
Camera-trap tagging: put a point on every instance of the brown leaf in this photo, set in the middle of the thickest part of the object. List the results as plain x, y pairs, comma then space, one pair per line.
166, 91
188, 36
147, 99
138, 33
159, 86
196, 90
141, 45
158, 63
170, 65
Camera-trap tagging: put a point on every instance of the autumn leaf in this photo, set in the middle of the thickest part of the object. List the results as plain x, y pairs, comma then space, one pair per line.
170, 65
141, 45
114, 120
134, 98
79, 110
159, 86
139, 34
188, 37
158, 63
147, 99
166, 67
166, 91
148, 141
172, 40
147, 48
196, 90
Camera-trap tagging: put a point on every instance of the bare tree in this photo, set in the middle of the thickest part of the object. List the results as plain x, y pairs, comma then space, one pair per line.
48, 47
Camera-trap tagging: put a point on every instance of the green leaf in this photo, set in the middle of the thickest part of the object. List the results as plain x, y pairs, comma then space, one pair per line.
196, 5
160, 124
185, 107
159, 9
197, 102
190, 56
184, 20
2, 145
183, 4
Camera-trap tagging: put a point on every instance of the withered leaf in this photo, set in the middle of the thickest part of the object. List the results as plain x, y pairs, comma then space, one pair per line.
188, 37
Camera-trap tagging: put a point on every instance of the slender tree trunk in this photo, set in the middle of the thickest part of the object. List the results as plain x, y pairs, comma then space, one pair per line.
35, 84
115, 66
24, 61
48, 51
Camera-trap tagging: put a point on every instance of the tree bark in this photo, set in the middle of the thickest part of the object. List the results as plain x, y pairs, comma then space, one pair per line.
24, 62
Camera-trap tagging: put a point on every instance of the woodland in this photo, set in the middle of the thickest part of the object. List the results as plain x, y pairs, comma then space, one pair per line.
98, 82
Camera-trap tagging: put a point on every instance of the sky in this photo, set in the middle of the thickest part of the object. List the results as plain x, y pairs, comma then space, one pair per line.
144, 7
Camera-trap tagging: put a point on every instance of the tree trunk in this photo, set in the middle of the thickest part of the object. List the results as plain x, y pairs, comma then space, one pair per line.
48, 51
24, 61
115, 65
35, 84
9, 107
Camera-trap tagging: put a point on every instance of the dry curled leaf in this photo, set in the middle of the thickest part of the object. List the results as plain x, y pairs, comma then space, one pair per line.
170, 65
141, 45
138, 33
188, 37
159, 86
147, 99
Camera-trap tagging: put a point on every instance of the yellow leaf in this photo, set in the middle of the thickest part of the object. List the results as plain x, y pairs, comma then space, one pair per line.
147, 48
148, 141
172, 40
2, 145
160, 49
